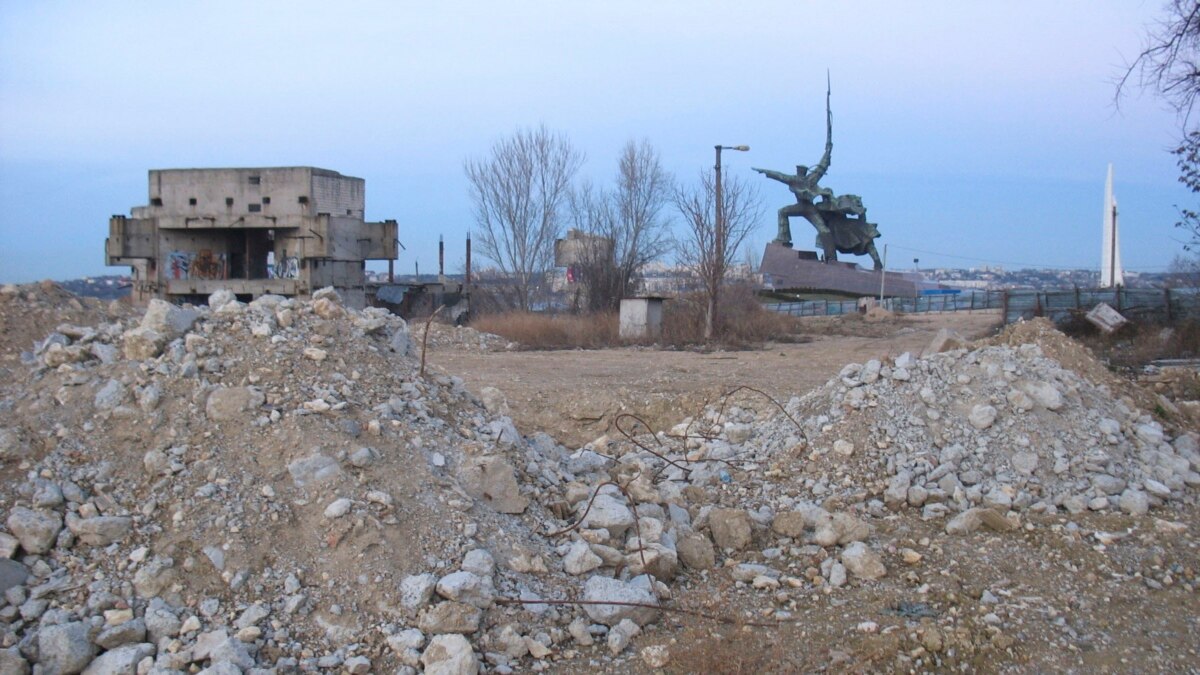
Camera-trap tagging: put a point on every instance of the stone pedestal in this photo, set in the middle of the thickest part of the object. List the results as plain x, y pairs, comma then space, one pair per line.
785, 267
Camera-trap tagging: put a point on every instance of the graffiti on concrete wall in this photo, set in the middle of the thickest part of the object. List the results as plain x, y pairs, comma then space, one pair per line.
202, 264
287, 267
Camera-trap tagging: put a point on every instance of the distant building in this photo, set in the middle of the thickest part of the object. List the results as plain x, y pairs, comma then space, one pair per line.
287, 231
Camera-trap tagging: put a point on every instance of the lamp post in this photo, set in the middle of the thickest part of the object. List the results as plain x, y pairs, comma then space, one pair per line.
718, 238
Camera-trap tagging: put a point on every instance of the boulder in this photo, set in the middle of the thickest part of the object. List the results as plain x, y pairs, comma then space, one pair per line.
468, 588
36, 530
451, 617
608, 512
604, 588
862, 562
449, 655
64, 648
120, 661
731, 528
100, 530
231, 403
696, 551
493, 480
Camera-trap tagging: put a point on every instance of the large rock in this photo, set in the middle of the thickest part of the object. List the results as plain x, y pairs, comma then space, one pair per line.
610, 513
416, 590
840, 528
468, 588
140, 344
946, 340
36, 530
972, 519
600, 589
64, 648
100, 530
12, 663
313, 470
696, 551
449, 655
789, 524
731, 528
493, 480
120, 661
168, 319
580, 559
12, 573
230, 403
451, 617
862, 562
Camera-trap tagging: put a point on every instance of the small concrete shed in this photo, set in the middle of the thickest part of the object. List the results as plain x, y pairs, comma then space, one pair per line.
641, 318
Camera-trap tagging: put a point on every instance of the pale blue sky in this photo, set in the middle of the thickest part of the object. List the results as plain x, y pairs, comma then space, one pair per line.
981, 130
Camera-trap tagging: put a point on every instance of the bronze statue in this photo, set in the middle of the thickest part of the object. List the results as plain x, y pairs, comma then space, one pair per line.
841, 222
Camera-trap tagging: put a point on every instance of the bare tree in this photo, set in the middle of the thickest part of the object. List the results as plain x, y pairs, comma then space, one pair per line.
626, 226
1169, 63
519, 194
710, 249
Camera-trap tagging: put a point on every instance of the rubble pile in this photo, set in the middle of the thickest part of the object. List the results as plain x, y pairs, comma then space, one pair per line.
462, 338
271, 487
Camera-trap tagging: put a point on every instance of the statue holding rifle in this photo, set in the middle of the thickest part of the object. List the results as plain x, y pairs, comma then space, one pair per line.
840, 221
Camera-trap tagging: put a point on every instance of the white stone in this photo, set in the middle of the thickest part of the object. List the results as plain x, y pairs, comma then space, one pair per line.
604, 588
982, 416
580, 559
449, 655
338, 508
862, 562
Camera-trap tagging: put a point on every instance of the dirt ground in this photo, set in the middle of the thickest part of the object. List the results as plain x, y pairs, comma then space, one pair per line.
1059, 595
573, 395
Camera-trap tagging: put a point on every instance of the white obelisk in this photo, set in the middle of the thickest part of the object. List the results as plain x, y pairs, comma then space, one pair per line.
1110, 258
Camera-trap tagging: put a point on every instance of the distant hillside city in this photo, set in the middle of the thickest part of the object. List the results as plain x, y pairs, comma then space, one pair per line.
665, 279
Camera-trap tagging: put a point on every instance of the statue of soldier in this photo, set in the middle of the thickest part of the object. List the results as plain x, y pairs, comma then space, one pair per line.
836, 230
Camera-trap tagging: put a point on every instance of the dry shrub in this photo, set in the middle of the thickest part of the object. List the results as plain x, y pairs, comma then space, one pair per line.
546, 331
1137, 343
741, 320
742, 323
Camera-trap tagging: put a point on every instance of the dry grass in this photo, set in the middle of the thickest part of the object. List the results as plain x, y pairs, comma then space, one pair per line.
742, 323
545, 331
1138, 343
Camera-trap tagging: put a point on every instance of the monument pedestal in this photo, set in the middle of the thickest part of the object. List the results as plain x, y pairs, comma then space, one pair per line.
784, 267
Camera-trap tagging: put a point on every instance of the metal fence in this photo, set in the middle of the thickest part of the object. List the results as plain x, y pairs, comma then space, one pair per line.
1138, 304
957, 302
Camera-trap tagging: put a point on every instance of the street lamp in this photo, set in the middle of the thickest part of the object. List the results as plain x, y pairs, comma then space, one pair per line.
719, 234
719, 223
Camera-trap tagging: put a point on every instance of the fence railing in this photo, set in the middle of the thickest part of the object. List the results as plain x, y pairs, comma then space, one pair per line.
966, 301
1138, 304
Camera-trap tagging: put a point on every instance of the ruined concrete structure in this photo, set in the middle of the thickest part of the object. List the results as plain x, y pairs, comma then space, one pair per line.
288, 231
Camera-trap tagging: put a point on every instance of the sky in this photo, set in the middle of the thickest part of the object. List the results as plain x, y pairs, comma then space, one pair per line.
978, 134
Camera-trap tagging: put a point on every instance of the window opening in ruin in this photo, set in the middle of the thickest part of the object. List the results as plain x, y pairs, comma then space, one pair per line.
156, 201
255, 180
349, 212
191, 201
303, 199
266, 200
229, 201
255, 208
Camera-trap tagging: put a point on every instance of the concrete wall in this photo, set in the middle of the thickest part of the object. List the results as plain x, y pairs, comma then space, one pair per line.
641, 318
338, 195
257, 230
282, 188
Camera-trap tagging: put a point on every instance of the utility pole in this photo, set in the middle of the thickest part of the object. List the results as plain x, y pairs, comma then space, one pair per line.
719, 241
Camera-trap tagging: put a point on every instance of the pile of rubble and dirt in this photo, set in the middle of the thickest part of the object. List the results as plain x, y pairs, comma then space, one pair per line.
276, 487
460, 338
272, 487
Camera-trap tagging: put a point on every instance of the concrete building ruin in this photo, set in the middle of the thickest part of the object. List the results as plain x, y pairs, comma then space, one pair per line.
287, 231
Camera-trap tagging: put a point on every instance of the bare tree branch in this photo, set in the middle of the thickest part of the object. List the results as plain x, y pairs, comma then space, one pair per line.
701, 247
519, 193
